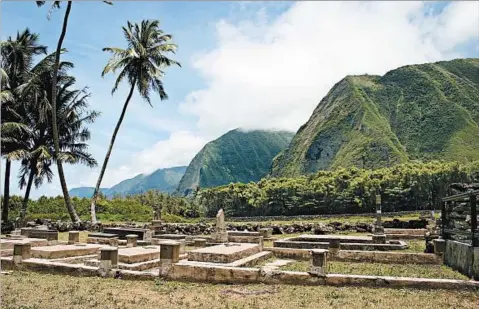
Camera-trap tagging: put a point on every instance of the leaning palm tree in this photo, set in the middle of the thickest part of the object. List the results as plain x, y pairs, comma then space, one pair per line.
141, 64
72, 116
61, 174
17, 60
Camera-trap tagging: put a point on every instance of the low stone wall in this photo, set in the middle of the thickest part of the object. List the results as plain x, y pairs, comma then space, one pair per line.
225, 274
387, 257
38, 233
207, 227
462, 257
324, 216
361, 256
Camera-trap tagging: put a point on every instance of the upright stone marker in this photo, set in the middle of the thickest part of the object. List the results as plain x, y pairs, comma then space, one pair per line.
73, 237
379, 238
439, 246
200, 242
266, 232
131, 240
169, 254
378, 227
221, 233
319, 262
108, 258
21, 252
334, 246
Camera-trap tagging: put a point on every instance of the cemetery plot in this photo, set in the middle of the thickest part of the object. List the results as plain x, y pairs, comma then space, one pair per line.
346, 242
64, 251
224, 253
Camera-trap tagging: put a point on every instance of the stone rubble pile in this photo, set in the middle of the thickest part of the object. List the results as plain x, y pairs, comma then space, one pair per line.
318, 228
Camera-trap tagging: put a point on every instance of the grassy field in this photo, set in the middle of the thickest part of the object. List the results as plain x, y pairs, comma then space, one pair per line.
378, 269
24, 290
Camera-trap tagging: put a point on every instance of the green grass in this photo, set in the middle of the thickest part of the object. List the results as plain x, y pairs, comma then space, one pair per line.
22, 290
378, 269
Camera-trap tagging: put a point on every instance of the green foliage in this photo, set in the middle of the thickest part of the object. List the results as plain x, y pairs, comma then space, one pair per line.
417, 112
237, 156
137, 208
411, 186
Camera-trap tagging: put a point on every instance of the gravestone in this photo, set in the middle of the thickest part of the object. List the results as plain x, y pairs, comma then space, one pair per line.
221, 233
131, 240
73, 237
319, 262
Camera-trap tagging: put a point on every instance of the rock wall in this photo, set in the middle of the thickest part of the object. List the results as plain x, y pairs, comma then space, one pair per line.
459, 256
313, 217
318, 228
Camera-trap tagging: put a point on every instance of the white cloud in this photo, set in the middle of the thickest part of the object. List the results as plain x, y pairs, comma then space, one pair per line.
177, 150
272, 74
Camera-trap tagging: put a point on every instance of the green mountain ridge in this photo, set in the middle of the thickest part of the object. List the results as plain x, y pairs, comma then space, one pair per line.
416, 112
237, 156
163, 179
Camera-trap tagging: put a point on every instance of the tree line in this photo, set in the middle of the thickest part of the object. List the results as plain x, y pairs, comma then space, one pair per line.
134, 208
412, 186
45, 116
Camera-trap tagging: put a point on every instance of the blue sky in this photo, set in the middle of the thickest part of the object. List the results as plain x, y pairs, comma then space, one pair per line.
252, 65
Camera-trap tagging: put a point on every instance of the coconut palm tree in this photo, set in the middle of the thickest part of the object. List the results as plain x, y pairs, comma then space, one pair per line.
142, 64
72, 116
17, 59
56, 5
61, 174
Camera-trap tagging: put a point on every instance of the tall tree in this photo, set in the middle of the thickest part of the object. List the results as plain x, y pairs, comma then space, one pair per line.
71, 210
17, 60
61, 174
72, 117
141, 64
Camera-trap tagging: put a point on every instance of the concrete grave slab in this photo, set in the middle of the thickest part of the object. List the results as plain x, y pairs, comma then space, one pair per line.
223, 253
346, 243
8, 243
138, 254
63, 251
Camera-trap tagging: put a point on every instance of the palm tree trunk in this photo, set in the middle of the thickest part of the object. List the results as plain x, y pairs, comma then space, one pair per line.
71, 210
108, 153
6, 191
23, 212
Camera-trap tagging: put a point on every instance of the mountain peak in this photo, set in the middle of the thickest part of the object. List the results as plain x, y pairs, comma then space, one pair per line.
416, 112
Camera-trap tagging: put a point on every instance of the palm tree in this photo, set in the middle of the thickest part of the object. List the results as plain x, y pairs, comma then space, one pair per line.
56, 4
72, 117
142, 64
17, 59
56, 143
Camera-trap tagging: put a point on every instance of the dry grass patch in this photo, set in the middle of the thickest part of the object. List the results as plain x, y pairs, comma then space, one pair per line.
378, 269
63, 236
23, 290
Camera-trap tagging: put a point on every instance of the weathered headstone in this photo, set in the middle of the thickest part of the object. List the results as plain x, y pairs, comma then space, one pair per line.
108, 259
169, 254
73, 237
319, 260
379, 239
200, 242
334, 245
266, 232
131, 240
21, 251
439, 246
221, 233
378, 226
